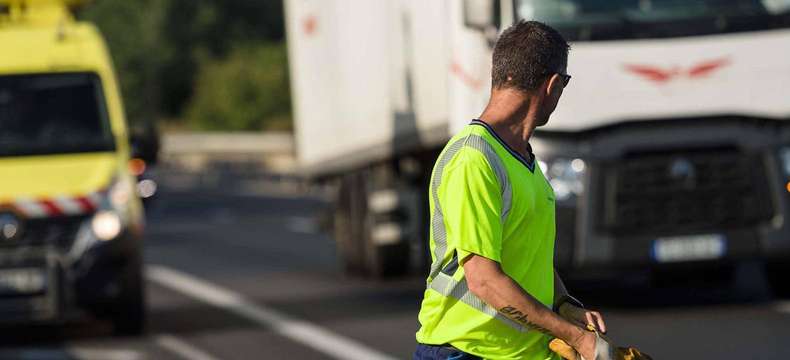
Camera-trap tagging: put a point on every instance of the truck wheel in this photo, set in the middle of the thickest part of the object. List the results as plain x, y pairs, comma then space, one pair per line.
776, 274
389, 260
128, 311
353, 233
345, 226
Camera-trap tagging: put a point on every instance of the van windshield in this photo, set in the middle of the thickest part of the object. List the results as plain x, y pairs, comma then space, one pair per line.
590, 20
53, 114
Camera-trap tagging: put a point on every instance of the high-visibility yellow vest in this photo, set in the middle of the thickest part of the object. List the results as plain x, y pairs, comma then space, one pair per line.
487, 199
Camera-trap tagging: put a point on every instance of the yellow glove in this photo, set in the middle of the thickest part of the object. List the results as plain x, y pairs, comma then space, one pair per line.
569, 353
563, 349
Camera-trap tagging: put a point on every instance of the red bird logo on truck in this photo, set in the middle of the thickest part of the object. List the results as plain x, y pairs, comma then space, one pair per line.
663, 75
309, 24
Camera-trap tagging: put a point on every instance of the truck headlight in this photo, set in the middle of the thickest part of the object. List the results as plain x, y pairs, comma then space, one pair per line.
784, 157
106, 225
565, 176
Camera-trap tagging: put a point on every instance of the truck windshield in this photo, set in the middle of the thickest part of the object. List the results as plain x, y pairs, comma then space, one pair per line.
590, 20
53, 114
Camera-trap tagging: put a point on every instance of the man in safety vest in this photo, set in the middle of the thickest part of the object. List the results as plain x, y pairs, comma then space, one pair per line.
492, 289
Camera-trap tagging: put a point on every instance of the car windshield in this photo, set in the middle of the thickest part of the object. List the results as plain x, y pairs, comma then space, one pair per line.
590, 20
53, 114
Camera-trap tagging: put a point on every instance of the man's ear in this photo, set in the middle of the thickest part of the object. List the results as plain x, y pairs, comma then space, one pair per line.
554, 83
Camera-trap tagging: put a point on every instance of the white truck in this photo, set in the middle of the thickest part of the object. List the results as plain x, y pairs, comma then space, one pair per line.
670, 147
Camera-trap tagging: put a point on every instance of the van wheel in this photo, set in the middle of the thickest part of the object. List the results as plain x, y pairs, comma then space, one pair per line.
776, 274
128, 312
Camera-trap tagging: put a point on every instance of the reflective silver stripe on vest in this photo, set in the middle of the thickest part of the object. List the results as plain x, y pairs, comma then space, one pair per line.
437, 221
445, 284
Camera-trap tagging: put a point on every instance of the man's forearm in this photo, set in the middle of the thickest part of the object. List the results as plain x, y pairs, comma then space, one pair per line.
503, 293
517, 304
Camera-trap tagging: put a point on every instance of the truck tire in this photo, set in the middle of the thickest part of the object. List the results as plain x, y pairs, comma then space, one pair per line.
128, 311
352, 229
776, 274
345, 228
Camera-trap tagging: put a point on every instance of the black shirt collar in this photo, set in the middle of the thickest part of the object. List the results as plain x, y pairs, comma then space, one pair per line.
529, 163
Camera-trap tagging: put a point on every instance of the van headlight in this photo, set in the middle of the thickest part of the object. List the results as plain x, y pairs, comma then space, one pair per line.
106, 225
112, 217
565, 176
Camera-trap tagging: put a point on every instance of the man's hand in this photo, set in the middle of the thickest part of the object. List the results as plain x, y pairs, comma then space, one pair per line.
585, 345
583, 317
588, 346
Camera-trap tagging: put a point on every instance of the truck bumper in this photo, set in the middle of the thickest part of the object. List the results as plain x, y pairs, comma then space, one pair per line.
580, 249
714, 180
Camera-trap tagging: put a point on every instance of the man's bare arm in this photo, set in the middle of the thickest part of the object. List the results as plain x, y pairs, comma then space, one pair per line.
487, 280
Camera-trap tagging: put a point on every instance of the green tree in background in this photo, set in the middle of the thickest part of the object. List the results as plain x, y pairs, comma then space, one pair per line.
246, 91
166, 50
133, 30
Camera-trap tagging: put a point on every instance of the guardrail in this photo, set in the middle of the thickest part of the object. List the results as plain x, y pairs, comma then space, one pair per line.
270, 152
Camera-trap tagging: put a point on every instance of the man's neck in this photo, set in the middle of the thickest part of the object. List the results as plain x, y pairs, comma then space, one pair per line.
512, 117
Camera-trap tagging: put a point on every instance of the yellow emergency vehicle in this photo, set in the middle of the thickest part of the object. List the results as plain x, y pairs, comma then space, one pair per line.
71, 221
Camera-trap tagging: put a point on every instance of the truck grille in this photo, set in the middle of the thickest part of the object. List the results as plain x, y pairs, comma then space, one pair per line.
684, 192
58, 231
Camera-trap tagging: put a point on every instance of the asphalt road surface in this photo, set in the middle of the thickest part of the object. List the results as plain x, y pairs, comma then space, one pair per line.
243, 272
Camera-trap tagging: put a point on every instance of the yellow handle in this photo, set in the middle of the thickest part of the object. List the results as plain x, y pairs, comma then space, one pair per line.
563, 349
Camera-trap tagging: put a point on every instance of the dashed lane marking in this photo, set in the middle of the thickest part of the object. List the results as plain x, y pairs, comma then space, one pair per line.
782, 306
182, 348
302, 225
300, 331
101, 354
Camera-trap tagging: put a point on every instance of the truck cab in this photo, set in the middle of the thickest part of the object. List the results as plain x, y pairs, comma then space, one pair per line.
71, 222
669, 149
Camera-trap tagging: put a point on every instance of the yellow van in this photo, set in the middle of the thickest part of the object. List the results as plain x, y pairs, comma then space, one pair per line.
70, 219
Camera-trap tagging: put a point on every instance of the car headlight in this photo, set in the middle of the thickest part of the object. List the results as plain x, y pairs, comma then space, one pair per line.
106, 225
784, 157
565, 176
112, 217
108, 222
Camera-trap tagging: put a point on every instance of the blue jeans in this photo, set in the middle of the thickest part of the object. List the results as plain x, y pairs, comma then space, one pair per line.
441, 352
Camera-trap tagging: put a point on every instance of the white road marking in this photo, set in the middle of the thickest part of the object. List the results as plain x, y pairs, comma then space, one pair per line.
303, 225
782, 306
300, 331
182, 348
101, 354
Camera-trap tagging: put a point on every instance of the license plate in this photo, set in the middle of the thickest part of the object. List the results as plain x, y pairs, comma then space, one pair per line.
688, 248
22, 281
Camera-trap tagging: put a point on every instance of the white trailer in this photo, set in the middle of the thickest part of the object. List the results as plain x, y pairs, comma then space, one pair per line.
668, 148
